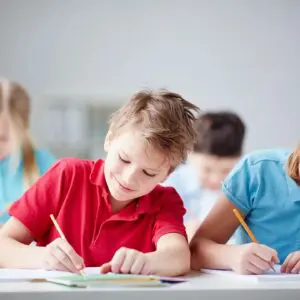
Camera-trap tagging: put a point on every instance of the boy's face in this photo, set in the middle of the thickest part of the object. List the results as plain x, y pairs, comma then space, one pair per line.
132, 167
212, 170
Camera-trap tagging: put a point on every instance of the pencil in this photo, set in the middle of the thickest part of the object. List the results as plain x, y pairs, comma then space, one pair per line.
61, 235
247, 229
245, 226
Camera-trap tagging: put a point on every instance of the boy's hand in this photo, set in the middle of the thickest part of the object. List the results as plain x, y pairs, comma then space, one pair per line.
59, 255
253, 258
291, 263
128, 261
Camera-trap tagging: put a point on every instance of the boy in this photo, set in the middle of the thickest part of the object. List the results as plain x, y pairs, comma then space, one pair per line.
218, 147
112, 213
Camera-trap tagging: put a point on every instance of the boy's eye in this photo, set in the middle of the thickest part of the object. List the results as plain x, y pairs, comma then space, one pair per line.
148, 174
124, 160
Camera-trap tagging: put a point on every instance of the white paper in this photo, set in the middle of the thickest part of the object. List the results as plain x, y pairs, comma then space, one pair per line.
268, 276
28, 274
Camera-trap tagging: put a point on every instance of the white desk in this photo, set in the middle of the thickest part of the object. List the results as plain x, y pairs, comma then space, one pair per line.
200, 286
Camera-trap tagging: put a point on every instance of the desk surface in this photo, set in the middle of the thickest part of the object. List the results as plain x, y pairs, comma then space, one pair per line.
200, 286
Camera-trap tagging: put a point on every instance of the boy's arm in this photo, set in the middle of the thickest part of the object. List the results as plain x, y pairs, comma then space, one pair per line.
14, 250
16, 253
30, 220
209, 250
208, 247
172, 256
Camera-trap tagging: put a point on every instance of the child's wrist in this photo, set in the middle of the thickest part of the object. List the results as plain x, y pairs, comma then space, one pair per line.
151, 260
37, 257
231, 254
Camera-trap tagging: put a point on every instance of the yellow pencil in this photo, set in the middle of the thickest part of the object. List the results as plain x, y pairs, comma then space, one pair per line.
245, 226
247, 229
61, 235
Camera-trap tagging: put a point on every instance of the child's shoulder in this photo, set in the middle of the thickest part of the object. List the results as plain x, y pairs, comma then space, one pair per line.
267, 156
74, 165
164, 195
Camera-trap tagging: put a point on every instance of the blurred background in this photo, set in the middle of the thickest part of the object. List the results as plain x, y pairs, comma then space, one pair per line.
80, 60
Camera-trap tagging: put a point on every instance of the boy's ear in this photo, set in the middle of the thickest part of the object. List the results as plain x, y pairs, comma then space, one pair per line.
107, 140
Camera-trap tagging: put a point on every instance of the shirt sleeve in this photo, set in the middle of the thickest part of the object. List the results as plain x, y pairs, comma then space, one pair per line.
241, 185
43, 198
169, 218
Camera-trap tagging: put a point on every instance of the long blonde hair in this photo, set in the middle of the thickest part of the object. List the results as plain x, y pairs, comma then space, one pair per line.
294, 165
15, 103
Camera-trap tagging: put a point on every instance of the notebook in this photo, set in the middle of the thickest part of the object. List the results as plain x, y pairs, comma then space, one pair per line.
111, 279
31, 274
92, 278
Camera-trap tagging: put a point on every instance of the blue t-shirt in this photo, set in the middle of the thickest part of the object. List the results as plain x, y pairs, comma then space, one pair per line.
12, 180
260, 187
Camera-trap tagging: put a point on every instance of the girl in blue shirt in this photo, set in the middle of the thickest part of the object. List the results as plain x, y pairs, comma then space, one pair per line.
265, 188
20, 162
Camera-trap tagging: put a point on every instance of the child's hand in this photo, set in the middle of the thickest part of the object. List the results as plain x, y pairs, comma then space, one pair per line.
128, 261
291, 263
253, 258
59, 255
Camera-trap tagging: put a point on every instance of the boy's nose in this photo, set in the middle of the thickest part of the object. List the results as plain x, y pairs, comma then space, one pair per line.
130, 177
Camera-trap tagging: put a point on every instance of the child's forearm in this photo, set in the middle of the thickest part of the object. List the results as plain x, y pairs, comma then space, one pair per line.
211, 255
14, 254
170, 262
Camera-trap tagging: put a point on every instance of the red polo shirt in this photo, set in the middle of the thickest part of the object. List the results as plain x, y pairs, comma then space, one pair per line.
75, 191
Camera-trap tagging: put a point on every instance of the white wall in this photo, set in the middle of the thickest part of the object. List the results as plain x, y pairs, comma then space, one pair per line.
237, 54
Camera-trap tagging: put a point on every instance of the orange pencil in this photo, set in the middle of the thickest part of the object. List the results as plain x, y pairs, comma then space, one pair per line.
247, 229
61, 235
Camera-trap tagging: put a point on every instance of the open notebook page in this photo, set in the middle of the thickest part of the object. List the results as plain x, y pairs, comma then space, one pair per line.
28, 274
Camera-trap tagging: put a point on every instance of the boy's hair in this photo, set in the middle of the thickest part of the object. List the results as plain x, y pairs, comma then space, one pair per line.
165, 119
220, 134
293, 165
15, 103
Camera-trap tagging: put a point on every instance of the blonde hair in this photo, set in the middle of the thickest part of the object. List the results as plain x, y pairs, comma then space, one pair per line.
294, 165
15, 103
165, 119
